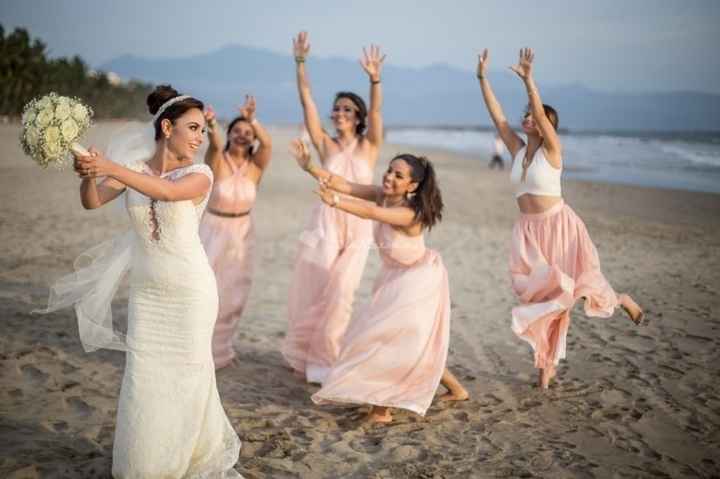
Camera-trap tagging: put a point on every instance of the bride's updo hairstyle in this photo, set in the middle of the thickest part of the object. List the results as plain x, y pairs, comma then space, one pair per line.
159, 96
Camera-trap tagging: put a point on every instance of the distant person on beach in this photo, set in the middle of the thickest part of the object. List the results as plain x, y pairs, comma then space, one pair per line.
394, 353
334, 246
499, 148
170, 421
226, 229
553, 261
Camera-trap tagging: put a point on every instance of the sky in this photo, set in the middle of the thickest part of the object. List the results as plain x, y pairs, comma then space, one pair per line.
608, 45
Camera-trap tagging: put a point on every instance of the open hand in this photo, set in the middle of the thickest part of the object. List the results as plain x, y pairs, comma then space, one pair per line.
247, 111
483, 61
301, 45
524, 66
301, 152
372, 62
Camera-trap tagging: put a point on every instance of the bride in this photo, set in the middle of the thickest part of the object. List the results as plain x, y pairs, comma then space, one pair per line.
170, 421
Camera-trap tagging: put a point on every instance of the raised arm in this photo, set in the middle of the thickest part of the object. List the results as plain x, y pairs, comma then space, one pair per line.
401, 216
372, 63
551, 141
261, 157
512, 140
214, 153
301, 49
190, 187
337, 183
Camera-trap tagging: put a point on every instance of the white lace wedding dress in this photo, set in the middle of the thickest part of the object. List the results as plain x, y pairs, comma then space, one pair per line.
170, 421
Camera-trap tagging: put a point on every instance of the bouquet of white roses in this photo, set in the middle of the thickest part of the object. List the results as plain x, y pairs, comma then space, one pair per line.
51, 127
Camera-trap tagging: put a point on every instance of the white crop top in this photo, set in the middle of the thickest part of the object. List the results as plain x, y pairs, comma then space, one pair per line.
542, 178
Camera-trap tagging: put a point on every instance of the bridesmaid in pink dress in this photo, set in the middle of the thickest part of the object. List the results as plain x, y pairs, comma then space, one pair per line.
394, 352
226, 229
333, 247
553, 261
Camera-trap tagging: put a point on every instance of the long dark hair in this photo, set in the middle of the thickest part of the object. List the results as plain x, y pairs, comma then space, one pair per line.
236, 120
360, 104
160, 95
426, 200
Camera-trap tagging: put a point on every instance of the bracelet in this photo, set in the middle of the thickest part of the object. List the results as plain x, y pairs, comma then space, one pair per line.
299, 59
374, 82
480, 77
309, 167
335, 200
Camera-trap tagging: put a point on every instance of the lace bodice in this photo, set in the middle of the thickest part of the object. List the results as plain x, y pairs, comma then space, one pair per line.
167, 225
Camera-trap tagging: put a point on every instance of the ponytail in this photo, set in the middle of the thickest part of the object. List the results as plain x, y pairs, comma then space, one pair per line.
426, 200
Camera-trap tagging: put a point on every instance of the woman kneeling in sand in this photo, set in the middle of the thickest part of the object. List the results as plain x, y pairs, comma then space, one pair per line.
394, 352
553, 261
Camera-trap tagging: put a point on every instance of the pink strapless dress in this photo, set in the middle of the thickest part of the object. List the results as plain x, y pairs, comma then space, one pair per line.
328, 267
229, 243
395, 350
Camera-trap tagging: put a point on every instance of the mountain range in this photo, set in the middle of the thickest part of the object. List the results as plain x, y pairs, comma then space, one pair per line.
436, 95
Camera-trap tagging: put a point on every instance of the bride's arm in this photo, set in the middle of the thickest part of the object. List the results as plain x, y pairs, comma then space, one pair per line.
94, 194
190, 187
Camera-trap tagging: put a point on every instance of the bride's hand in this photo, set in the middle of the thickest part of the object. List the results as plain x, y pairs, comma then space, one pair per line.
94, 165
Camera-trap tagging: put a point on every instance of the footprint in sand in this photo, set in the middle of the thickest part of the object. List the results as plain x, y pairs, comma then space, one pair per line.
34, 375
79, 406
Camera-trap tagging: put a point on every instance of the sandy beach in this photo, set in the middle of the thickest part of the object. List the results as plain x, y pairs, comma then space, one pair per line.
630, 402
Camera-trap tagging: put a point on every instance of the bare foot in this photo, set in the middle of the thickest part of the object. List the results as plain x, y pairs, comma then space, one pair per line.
632, 309
456, 395
545, 376
456, 391
380, 415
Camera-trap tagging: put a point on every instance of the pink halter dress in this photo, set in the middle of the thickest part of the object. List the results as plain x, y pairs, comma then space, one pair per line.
228, 235
328, 267
394, 351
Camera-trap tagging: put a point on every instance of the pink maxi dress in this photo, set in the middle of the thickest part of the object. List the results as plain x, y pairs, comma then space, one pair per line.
395, 350
228, 235
329, 264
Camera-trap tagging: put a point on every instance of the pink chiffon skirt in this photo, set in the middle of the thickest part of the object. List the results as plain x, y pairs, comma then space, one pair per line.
395, 350
329, 264
553, 263
229, 244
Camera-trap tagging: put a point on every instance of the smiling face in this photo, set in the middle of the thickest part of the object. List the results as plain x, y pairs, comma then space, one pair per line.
397, 180
344, 115
186, 133
241, 136
529, 126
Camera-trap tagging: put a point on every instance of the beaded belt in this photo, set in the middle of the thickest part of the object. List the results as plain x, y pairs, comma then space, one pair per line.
227, 215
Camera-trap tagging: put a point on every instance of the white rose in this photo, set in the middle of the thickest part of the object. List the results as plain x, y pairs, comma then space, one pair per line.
32, 136
69, 130
45, 117
51, 150
44, 102
80, 113
62, 111
29, 116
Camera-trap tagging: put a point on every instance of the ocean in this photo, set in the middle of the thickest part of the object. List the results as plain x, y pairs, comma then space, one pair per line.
678, 160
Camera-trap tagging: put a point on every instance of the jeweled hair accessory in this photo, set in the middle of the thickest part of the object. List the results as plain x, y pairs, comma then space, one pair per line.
167, 105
